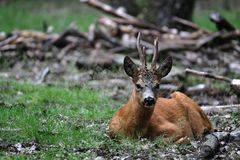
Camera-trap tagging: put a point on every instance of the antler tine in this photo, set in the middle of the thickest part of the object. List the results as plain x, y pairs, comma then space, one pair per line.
144, 57
155, 53
141, 51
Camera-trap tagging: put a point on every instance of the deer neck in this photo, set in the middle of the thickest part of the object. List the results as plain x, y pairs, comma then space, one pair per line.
137, 117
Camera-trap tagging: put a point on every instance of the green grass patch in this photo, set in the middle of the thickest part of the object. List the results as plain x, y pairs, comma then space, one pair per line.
30, 14
191, 80
59, 116
201, 18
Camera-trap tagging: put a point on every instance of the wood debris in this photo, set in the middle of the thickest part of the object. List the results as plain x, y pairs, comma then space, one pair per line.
213, 141
118, 34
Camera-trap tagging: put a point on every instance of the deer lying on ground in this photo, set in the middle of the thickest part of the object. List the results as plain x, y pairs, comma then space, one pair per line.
149, 116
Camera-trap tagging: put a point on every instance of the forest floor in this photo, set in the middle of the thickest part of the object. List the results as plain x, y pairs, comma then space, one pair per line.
69, 122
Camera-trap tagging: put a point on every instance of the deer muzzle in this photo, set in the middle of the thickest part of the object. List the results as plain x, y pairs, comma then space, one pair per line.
148, 98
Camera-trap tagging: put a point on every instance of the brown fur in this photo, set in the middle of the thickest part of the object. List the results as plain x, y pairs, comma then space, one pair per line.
173, 118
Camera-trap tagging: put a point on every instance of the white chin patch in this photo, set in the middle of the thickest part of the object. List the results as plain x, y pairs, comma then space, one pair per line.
145, 106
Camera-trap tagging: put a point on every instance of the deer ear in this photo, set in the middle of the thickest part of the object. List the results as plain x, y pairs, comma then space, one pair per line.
165, 67
130, 67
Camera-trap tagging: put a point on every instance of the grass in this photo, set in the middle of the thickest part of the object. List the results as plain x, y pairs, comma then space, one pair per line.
62, 120
30, 14
63, 117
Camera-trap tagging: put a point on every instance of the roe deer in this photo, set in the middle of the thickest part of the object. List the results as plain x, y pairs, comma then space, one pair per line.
149, 116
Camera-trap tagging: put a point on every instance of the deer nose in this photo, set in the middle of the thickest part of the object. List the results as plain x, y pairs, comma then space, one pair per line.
149, 101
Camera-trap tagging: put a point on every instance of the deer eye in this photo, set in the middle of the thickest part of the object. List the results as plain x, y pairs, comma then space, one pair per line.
157, 86
138, 86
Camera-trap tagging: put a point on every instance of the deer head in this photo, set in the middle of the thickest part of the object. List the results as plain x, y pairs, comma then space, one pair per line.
147, 81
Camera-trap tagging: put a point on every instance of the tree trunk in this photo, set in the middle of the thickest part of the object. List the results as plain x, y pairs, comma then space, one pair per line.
159, 12
166, 9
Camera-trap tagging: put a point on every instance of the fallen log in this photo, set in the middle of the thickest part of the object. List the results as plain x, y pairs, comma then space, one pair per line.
211, 145
212, 142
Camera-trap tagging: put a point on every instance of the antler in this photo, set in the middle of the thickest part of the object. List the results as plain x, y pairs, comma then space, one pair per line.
141, 51
154, 60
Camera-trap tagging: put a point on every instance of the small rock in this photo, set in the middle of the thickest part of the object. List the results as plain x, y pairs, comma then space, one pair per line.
99, 158
222, 142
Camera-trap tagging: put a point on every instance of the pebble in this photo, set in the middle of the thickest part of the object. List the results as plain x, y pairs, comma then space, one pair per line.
99, 158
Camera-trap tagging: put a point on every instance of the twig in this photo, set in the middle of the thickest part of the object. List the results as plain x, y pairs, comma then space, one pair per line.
43, 75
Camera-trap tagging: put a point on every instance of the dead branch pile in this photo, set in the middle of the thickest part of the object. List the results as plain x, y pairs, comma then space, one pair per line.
118, 33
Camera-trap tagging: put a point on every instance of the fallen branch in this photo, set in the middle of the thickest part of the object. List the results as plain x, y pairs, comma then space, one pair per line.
108, 9
208, 75
235, 83
124, 18
61, 41
206, 40
138, 23
8, 40
221, 108
188, 24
